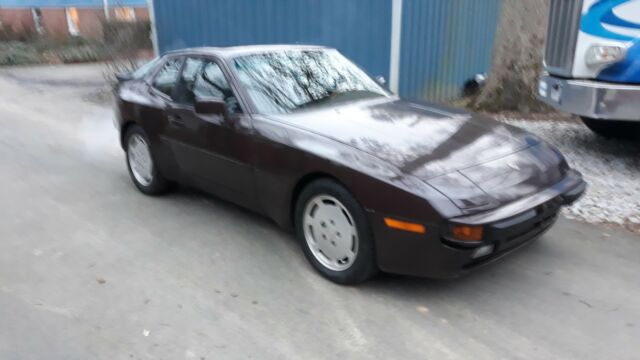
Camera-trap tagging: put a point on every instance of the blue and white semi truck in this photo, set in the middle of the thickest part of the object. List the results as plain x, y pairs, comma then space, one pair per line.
592, 63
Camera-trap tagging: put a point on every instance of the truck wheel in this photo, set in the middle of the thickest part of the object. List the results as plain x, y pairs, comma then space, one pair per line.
613, 128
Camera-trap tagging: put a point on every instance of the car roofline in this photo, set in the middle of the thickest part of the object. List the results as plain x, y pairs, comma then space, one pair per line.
233, 51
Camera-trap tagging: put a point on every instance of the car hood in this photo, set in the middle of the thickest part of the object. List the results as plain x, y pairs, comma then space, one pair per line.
476, 161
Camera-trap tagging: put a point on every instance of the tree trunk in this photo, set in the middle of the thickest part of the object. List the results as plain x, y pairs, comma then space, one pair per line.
517, 58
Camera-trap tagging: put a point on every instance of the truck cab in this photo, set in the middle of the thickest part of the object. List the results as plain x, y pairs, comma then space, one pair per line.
592, 63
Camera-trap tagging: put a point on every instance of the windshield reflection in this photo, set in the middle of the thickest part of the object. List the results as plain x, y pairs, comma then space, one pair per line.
289, 80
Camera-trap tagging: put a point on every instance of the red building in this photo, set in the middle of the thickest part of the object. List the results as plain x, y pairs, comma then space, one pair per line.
60, 19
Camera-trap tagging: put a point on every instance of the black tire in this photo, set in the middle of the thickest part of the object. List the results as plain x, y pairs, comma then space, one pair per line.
613, 128
158, 184
364, 266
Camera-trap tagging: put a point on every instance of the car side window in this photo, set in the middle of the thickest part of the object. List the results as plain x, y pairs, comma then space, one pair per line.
184, 93
165, 79
211, 82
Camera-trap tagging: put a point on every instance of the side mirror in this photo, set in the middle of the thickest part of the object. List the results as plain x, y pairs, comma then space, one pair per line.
380, 80
121, 77
210, 106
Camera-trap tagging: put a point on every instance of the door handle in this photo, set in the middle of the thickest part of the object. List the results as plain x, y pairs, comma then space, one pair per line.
176, 120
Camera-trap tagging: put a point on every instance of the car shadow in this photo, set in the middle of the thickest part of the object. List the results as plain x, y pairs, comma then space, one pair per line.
389, 284
194, 195
489, 272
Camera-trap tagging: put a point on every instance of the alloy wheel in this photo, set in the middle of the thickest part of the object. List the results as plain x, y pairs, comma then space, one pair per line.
140, 162
330, 232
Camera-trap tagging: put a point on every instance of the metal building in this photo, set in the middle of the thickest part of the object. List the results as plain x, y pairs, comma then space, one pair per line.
425, 48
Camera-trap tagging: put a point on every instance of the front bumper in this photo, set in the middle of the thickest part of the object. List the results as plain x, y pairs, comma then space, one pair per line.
592, 99
505, 229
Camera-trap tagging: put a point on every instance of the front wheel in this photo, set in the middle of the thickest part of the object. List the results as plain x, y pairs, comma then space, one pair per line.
613, 128
334, 233
140, 163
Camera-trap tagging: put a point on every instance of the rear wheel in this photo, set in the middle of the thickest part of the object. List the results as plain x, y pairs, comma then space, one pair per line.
613, 128
141, 165
334, 233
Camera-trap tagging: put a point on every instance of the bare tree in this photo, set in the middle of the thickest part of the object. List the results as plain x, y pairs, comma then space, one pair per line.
517, 58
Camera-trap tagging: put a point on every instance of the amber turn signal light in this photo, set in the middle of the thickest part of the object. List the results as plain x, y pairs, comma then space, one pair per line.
467, 233
406, 226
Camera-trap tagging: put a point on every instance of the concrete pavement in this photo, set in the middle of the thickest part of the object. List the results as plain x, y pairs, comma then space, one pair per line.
92, 269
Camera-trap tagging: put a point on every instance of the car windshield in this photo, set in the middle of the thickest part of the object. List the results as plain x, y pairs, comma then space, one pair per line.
140, 72
286, 81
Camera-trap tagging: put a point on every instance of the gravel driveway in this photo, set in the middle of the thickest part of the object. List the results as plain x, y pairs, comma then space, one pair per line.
611, 167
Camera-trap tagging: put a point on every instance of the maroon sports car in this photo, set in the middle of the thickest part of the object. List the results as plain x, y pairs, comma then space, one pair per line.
369, 181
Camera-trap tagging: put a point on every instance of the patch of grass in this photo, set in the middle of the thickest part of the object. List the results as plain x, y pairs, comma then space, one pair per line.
19, 53
78, 53
44, 52
121, 40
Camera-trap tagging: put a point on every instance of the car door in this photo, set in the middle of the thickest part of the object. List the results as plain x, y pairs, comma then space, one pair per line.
152, 116
213, 151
